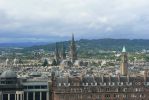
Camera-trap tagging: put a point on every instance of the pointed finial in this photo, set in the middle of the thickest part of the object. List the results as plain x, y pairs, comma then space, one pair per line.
72, 36
124, 49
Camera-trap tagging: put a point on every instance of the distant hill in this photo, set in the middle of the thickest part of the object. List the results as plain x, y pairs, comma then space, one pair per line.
24, 44
85, 45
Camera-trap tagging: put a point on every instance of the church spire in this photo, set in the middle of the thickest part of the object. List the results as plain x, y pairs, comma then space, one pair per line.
73, 53
57, 53
63, 54
73, 38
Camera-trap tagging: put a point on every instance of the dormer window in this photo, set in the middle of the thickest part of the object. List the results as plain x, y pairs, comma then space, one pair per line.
113, 83
83, 84
86, 84
91, 84
107, 89
121, 83
130, 83
147, 83
104, 84
118, 83
59, 84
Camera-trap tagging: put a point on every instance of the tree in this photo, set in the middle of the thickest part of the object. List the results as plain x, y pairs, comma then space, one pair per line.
54, 63
45, 63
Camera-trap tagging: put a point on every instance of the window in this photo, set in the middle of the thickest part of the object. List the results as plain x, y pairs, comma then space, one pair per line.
125, 95
121, 83
116, 95
30, 87
25, 96
133, 95
43, 87
113, 83
125, 89
37, 95
86, 84
30, 95
44, 96
25, 87
12, 96
37, 87
107, 95
91, 84
5, 96
118, 83
104, 84
59, 84
141, 95
107, 89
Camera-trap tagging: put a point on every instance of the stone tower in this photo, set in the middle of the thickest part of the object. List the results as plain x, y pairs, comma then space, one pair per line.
73, 52
124, 63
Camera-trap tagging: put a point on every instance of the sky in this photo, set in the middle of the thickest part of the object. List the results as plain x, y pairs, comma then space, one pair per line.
56, 20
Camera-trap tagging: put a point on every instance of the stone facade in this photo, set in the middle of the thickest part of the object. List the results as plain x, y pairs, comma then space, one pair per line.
101, 88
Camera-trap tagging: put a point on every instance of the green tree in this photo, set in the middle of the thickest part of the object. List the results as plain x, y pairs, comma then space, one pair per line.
45, 63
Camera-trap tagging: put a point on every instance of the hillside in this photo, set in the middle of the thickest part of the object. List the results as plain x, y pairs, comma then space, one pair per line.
95, 45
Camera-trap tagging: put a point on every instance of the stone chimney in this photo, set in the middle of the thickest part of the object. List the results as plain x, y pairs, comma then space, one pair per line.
118, 78
102, 78
109, 78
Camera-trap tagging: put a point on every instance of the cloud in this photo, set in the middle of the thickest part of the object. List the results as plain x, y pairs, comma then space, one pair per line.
86, 18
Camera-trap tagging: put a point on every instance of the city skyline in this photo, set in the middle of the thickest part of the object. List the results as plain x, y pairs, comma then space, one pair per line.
51, 21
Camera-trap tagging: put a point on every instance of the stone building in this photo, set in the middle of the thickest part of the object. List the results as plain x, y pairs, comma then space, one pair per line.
89, 87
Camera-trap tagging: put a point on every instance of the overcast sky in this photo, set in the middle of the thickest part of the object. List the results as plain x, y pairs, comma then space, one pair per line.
56, 20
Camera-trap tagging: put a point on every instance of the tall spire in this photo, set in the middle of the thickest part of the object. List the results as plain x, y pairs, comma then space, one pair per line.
73, 38
57, 53
73, 53
63, 54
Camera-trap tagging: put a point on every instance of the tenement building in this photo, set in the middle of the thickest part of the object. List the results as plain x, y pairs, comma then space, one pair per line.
101, 88
89, 87
13, 88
